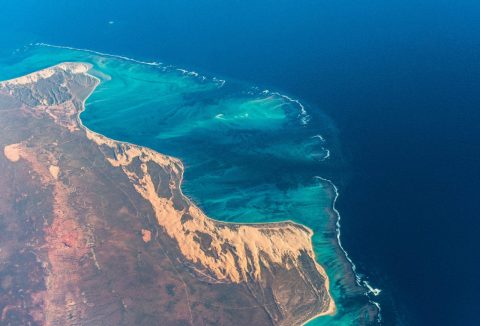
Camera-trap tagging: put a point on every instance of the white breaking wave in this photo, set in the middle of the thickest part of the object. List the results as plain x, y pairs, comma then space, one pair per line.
358, 278
189, 73
303, 115
220, 82
153, 63
160, 65
326, 155
319, 137
373, 290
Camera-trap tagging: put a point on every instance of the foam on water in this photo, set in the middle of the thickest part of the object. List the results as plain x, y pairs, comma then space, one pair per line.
319, 137
153, 63
359, 279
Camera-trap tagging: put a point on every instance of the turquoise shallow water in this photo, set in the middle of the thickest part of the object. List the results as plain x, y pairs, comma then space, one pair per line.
251, 155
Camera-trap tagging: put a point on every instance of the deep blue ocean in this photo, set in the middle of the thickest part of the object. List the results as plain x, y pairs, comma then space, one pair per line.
399, 79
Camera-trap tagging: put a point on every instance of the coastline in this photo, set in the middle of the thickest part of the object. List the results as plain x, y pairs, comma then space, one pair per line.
332, 305
332, 310
361, 282
176, 158
336, 214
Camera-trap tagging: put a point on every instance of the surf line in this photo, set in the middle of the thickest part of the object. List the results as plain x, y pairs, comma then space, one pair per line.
153, 63
303, 115
359, 280
219, 82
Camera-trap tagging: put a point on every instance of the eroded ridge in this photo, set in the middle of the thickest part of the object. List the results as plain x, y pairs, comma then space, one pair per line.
34, 77
232, 252
263, 273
